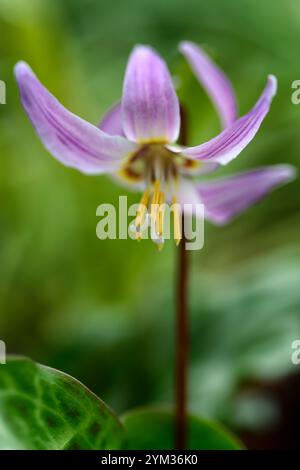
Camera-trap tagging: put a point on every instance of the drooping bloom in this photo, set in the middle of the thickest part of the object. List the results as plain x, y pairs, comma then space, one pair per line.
136, 140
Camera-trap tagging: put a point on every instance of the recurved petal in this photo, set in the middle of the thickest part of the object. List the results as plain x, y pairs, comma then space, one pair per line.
71, 140
229, 144
112, 121
226, 198
214, 81
150, 107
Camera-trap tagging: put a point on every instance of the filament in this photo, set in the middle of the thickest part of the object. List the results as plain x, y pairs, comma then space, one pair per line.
141, 212
177, 221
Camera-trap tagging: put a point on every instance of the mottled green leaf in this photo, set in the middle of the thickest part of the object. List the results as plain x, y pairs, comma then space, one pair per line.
150, 429
43, 408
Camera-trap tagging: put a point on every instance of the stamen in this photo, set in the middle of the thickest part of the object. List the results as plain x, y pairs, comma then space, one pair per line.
176, 220
155, 198
141, 212
160, 215
159, 242
155, 202
159, 169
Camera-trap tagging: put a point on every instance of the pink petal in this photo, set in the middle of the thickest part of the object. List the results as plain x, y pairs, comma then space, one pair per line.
112, 121
216, 84
229, 144
71, 140
226, 198
150, 105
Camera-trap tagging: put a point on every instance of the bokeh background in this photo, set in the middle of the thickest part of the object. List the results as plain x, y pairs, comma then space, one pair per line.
103, 311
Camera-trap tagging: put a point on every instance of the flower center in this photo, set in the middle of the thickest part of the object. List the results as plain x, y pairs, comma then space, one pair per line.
158, 167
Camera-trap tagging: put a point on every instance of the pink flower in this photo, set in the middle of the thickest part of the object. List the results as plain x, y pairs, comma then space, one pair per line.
136, 139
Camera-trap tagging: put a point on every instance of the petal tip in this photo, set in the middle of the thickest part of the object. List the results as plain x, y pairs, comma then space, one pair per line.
183, 45
272, 85
22, 68
189, 47
288, 172
142, 49
186, 43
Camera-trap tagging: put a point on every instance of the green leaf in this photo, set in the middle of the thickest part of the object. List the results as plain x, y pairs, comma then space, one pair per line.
43, 408
150, 429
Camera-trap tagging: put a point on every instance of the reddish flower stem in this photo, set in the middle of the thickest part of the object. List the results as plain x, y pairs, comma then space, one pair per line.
182, 333
181, 348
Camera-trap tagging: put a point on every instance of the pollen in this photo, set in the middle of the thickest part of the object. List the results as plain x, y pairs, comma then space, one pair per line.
176, 220
160, 214
141, 213
158, 169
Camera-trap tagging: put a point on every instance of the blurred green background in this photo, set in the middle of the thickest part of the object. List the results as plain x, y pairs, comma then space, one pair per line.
103, 311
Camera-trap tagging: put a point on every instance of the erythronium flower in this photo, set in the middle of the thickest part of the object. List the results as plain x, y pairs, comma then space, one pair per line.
136, 140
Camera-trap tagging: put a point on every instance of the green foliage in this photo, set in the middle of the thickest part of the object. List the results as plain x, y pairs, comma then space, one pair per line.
150, 429
81, 305
43, 408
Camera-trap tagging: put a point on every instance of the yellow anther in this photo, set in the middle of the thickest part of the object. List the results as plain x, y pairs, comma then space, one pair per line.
141, 212
177, 220
160, 214
155, 202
